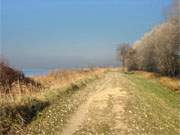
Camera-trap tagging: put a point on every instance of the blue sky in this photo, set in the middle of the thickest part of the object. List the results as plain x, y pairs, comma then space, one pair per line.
73, 33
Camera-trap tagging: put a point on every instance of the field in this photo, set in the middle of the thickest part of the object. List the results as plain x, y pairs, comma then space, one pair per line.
94, 101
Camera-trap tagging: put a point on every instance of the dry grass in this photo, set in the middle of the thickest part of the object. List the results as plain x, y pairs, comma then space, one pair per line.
29, 96
13, 81
59, 78
36, 87
171, 82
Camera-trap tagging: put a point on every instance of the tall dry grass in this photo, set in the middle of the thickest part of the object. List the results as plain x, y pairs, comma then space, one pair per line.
59, 78
22, 98
171, 82
13, 81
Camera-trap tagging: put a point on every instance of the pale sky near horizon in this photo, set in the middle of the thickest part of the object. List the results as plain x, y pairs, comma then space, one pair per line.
73, 33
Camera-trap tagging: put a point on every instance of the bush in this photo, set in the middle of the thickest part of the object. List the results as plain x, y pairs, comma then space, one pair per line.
11, 78
9, 75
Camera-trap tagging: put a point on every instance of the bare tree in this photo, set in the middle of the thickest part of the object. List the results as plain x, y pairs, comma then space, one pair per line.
131, 59
122, 52
159, 49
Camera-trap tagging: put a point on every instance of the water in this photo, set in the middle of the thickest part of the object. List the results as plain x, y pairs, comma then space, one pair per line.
35, 72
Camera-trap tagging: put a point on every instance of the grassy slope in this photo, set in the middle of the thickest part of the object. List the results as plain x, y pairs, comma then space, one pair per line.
152, 108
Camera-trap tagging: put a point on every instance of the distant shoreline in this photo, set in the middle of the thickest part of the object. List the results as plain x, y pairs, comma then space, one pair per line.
35, 72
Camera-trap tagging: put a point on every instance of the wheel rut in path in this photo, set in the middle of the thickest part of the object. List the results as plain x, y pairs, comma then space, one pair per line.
102, 113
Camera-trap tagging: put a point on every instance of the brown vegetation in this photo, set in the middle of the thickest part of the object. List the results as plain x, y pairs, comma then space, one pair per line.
13, 81
59, 78
157, 51
172, 83
21, 98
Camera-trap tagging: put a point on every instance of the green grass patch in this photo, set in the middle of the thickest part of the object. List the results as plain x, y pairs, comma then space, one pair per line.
152, 109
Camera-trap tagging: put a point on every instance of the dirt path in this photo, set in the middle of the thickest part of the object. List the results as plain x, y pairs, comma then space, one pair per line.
102, 113
112, 104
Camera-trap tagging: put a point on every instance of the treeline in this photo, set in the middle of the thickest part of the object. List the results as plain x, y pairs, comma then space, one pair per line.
157, 51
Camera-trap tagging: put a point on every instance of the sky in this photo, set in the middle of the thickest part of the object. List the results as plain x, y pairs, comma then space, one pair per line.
73, 33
